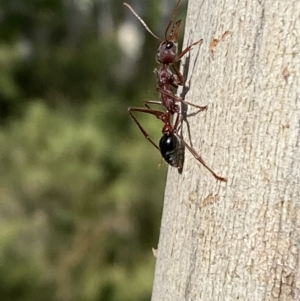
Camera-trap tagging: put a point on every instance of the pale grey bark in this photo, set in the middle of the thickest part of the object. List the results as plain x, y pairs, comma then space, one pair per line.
237, 240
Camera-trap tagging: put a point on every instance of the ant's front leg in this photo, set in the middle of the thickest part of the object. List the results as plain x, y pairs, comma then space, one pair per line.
187, 49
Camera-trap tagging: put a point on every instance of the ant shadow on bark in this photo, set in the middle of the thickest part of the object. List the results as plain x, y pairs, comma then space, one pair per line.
185, 90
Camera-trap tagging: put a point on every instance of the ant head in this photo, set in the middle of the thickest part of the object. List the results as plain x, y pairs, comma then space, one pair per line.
167, 50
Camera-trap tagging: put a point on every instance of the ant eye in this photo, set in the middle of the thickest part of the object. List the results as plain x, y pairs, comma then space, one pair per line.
169, 45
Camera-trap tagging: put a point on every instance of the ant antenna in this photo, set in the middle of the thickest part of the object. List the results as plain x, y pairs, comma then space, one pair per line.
172, 18
142, 21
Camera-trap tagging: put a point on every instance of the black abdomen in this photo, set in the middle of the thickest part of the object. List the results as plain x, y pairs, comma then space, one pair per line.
172, 150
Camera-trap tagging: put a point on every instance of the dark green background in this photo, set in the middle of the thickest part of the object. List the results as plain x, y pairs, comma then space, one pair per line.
80, 189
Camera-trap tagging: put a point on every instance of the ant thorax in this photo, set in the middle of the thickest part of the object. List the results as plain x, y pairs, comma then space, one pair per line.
165, 77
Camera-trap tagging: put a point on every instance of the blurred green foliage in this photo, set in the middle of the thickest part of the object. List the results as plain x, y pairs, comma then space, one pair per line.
80, 192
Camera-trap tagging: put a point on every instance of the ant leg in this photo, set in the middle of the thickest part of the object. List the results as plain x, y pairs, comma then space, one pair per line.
153, 102
187, 49
201, 108
158, 114
199, 159
180, 79
177, 98
177, 122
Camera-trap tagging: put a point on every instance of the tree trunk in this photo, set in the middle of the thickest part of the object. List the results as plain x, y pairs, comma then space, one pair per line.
237, 240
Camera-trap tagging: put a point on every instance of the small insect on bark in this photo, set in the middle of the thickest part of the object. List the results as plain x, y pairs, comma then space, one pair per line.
171, 145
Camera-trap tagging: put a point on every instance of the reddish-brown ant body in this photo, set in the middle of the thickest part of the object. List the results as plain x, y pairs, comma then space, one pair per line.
171, 146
